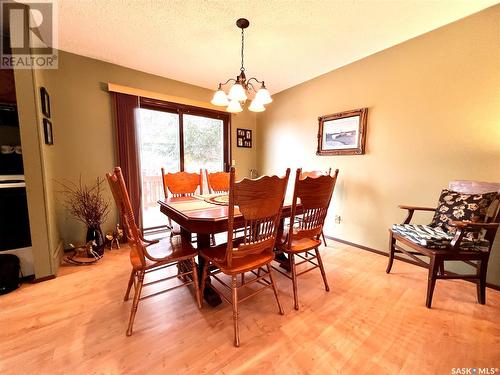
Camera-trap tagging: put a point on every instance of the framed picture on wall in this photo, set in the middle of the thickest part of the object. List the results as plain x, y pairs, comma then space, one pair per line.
342, 133
45, 99
244, 138
47, 132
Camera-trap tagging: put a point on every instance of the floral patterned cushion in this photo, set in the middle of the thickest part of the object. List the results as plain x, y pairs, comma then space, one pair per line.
436, 238
454, 206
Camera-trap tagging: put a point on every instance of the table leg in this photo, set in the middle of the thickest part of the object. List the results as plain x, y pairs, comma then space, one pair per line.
212, 298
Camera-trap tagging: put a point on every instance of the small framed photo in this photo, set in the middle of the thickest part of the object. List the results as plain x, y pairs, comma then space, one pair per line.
244, 138
47, 132
45, 99
342, 133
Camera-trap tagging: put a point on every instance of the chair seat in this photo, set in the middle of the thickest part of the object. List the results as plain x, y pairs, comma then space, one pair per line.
435, 238
298, 246
170, 250
217, 254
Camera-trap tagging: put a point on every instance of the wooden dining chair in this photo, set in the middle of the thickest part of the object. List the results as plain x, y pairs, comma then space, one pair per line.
218, 182
180, 184
144, 259
260, 203
314, 174
463, 229
315, 194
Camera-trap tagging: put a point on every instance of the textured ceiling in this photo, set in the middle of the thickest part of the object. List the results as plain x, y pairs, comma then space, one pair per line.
288, 42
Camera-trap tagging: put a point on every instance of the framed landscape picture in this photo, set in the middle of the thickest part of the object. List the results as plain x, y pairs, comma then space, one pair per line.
342, 133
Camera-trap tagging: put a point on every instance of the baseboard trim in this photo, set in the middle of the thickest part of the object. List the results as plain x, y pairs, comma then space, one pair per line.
397, 257
45, 278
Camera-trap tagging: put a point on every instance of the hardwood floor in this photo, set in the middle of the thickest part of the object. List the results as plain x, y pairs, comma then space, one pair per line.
369, 322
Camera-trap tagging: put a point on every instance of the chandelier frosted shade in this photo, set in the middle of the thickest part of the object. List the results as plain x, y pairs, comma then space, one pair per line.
241, 88
237, 92
256, 106
234, 106
263, 96
220, 98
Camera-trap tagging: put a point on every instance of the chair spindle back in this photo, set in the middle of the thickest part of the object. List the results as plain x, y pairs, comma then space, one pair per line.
260, 202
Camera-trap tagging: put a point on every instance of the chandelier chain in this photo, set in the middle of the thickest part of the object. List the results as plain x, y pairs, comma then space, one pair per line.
242, 48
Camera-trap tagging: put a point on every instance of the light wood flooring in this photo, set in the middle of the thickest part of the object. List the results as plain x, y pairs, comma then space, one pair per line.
369, 323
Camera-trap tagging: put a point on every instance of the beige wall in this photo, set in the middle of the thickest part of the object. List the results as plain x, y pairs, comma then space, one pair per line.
434, 116
84, 131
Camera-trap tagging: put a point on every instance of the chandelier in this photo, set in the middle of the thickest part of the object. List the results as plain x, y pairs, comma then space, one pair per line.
241, 89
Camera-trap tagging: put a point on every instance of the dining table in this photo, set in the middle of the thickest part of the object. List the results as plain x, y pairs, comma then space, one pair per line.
207, 215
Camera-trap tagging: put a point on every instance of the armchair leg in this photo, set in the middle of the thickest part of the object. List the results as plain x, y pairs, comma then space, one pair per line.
234, 293
322, 269
431, 282
481, 285
441, 268
130, 283
137, 296
392, 241
294, 282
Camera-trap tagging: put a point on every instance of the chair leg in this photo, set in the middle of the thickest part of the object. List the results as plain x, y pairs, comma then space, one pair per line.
195, 282
130, 283
275, 290
392, 242
481, 285
324, 239
234, 293
203, 281
431, 282
322, 269
137, 296
441, 268
294, 282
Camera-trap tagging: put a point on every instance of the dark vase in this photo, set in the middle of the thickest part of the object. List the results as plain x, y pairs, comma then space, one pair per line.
95, 234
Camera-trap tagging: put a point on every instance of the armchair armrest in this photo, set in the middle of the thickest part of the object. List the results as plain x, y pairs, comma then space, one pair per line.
149, 242
464, 227
412, 209
416, 208
473, 225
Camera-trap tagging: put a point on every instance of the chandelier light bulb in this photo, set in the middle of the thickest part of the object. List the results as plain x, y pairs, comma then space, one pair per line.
220, 98
234, 106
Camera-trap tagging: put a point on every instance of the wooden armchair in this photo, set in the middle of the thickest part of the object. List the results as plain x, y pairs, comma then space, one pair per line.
469, 241
259, 202
315, 194
145, 260
218, 182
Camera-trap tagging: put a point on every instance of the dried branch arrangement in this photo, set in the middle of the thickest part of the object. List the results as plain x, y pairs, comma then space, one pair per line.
85, 202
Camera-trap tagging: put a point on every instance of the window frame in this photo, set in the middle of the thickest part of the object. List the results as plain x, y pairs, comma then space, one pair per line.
184, 109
